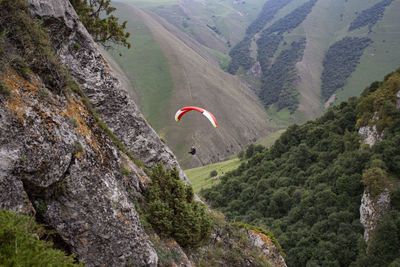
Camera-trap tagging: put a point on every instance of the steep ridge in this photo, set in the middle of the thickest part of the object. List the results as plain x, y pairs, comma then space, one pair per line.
62, 165
326, 24
319, 189
199, 83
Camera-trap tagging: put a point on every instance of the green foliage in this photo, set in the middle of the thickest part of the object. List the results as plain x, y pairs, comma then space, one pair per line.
213, 173
378, 106
172, 211
42, 207
395, 198
44, 93
125, 171
267, 45
384, 246
307, 187
104, 27
292, 20
370, 16
240, 56
267, 13
4, 90
77, 46
374, 180
78, 148
268, 42
20, 244
278, 81
241, 155
340, 61
28, 45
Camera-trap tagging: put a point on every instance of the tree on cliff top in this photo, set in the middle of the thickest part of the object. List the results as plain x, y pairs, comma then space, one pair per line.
104, 27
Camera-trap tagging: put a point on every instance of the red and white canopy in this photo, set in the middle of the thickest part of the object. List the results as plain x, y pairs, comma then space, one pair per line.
206, 113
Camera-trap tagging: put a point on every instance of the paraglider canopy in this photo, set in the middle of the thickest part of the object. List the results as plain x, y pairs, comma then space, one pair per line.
206, 113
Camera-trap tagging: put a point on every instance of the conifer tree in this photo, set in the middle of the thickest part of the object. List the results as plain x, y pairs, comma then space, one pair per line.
100, 23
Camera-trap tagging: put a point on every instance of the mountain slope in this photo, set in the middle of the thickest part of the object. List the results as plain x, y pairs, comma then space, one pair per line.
327, 23
196, 82
307, 188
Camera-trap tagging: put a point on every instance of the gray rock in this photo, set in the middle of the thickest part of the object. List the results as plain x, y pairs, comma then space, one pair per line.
372, 210
91, 71
69, 171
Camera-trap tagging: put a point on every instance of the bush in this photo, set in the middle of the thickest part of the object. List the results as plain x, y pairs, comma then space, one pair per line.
172, 212
4, 90
213, 173
20, 244
29, 48
374, 179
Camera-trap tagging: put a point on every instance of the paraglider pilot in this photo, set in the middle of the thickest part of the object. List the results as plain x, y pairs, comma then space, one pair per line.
192, 150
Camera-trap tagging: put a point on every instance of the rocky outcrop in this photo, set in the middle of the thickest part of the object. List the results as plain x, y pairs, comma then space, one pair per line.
255, 70
58, 163
369, 135
372, 210
267, 248
80, 54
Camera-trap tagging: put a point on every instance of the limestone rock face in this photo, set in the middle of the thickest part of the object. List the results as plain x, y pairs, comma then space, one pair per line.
80, 54
58, 163
372, 210
267, 247
255, 70
369, 134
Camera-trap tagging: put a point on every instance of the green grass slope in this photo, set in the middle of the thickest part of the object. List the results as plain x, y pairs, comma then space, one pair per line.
200, 177
381, 57
215, 24
153, 88
307, 187
195, 81
327, 24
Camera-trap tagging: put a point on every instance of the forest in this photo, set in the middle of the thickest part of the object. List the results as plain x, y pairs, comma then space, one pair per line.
240, 53
277, 83
267, 13
306, 189
240, 56
292, 20
370, 16
340, 61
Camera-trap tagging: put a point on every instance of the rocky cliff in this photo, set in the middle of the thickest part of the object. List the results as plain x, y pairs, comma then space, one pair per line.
93, 74
373, 209
73, 147
58, 163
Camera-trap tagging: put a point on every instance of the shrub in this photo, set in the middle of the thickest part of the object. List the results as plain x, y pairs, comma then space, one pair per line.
172, 212
29, 48
374, 179
20, 244
213, 173
4, 90
125, 171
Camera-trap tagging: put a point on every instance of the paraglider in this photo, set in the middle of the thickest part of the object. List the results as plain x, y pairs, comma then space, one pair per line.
192, 151
206, 113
